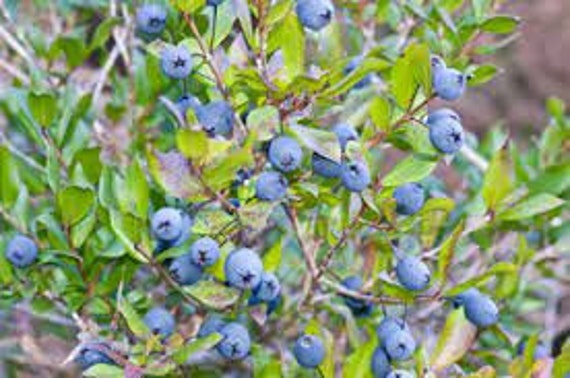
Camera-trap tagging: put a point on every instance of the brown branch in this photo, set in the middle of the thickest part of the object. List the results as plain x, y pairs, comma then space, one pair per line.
307, 255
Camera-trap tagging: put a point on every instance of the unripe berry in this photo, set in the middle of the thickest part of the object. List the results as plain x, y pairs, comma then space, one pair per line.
412, 273
271, 186
243, 269
309, 351
236, 343
355, 175
160, 322
21, 251
205, 252
285, 154
314, 14
409, 198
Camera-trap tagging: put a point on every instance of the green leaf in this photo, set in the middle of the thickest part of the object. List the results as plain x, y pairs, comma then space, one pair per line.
9, 179
434, 214
199, 345
218, 176
456, 338
103, 32
531, 206
553, 180
213, 294
82, 230
278, 11
367, 67
74, 203
447, 251
482, 74
73, 48
264, 121
172, 171
132, 232
272, 258
502, 24
134, 321
412, 70
256, 214
412, 169
43, 107
497, 183
497, 269
224, 22
104, 370
6, 274
188, 6
562, 362
288, 35
325, 143
357, 365
380, 113
137, 189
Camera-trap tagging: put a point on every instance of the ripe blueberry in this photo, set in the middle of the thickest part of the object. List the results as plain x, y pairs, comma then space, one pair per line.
315, 14
357, 306
243, 269
460, 299
271, 186
409, 198
351, 66
355, 175
309, 351
481, 310
213, 323
400, 374
186, 102
214, 3
176, 62
400, 345
435, 115
167, 224
448, 83
325, 167
236, 342
388, 326
412, 273
205, 252
380, 363
285, 154
446, 134
345, 133
93, 354
151, 18
160, 322
21, 251
184, 271
216, 118
268, 289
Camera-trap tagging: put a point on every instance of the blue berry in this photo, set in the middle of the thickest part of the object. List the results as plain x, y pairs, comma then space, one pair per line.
184, 271
400, 345
357, 306
540, 351
243, 269
186, 102
446, 134
401, 374
205, 252
176, 62
355, 175
480, 310
448, 83
435, 115
315, 14
351, 66
309, 351
409, 198
460, 299
216, 118
437, 63
285, 154
21, 251
345, 133
388, 326
151, 18
212, 324
160, 322
93, 354
167, 224
271, 186
380, 363
268, 289
236, 343
412, 273
214, 3
325, 167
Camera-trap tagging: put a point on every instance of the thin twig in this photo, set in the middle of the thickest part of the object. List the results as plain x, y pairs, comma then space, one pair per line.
307, 255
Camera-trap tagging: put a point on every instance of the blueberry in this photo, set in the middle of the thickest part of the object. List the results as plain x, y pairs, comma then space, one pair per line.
446, 134
437, 63
160, 322
176, 62
309, 351
315, 14
268, 289
21, 251
357, 306
243, 269
93, 354
355, 175
235, 202
271, 186
388, 326
205, 251
480, 310
400, 374
285, 154
345, 133
435, 115
167, 224
351, 66
409, 198
460, 299
186, 102
400, 345
184, 271
380, 363
151, 18
214, 323
216, 118
325, 167
540, 351
214, 3
412, 273
448, 83
236, 343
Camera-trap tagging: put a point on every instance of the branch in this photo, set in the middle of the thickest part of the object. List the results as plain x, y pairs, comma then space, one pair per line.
308, 256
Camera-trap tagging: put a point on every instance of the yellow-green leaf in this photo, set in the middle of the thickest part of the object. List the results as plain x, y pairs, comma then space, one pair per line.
454, 341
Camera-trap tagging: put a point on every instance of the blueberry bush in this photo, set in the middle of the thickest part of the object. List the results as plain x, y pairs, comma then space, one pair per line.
273, 188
